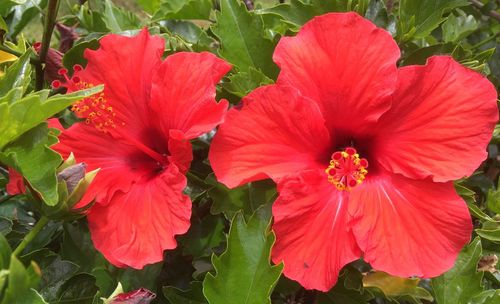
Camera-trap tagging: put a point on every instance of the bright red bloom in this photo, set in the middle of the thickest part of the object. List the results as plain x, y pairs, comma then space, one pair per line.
364, 153
137, 132
15, 185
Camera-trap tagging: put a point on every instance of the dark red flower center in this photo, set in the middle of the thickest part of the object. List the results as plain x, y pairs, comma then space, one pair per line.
346, 169
96, 112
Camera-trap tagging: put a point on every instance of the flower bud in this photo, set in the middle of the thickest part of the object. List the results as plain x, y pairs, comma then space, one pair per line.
72, 175
140, 296
68, 37
53, 63
73, 182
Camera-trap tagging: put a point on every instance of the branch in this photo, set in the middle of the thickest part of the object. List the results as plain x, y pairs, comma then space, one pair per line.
50, 19
479, 5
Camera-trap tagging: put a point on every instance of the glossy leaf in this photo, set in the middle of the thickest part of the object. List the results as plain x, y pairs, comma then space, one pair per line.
240, 84
21, 115
243, 272
455, 28
183, 9
395, 287
463, 281
248, 197
31, 156
117, 19
418, 18
243, 43
21, 284
17, 75
194, 295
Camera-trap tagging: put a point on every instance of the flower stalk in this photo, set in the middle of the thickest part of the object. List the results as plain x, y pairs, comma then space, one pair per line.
50, 19
42, 222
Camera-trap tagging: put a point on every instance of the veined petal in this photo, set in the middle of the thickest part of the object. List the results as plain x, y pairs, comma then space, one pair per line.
408, 227
346, 64
98, 150
313, 237
183, 93
277, 132
126, 66
135, 227
441, 120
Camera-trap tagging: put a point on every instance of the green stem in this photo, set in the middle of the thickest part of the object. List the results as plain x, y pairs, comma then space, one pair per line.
6, 198
31, 235
493, 37
33, 59
50, 19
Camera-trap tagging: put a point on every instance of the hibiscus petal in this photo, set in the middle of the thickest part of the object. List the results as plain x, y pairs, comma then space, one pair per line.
135, 227
277, 132
183, 92
313, 238
126, 66
15, 185
408, 227
346, 64
442, 118
98, 150
181, 153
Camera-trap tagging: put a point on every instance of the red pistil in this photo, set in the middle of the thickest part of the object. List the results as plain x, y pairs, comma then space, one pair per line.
346, 169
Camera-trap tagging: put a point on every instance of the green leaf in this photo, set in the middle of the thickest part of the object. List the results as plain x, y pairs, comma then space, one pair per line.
5, 225
55, 273
202, 236
244, 274
17, 75
119, 20
418, 18
490, 234
184, 9
24, 14
21, 284
192, 34
242, 83
395, 287
23, 114
80, 289
248, 197
5, 253
75, 54
194, 295
242, 38
92, 21
77, 245
31, 156
296, 12
493, 199
348, 290
149, 6
463, 281
487, 297
7, 5
457, 28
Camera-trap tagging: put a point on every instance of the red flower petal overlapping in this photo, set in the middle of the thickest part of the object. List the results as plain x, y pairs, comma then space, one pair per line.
364, 153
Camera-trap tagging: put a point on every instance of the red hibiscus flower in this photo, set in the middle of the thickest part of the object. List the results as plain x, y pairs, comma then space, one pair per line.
364, 153
137, 132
